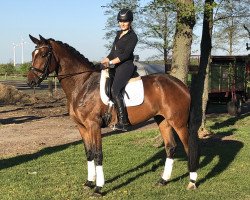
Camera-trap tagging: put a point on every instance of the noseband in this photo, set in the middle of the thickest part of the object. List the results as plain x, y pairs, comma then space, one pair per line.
45, 72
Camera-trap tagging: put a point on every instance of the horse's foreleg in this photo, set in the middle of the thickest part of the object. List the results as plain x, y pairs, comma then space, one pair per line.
92, 139
98, 160
87, 140
93, 147
170, 146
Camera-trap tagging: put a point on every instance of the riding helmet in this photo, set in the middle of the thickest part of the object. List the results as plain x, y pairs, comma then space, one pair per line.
125, 15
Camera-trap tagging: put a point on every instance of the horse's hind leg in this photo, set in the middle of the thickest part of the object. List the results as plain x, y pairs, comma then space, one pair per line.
170, 146
184, 137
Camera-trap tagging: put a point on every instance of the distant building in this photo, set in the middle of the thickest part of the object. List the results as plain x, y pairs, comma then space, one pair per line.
145, 68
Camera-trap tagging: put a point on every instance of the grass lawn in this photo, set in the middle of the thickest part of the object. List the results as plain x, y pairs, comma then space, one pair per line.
132, 165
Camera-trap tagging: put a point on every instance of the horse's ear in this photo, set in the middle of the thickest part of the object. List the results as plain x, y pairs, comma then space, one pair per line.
35, 40
43, 39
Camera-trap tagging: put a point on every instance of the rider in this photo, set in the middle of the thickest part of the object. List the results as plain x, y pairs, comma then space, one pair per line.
122, 57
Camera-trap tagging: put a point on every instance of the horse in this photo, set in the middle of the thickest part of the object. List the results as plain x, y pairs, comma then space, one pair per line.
166, 99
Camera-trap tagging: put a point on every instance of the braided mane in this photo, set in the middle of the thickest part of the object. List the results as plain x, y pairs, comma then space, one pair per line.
73, 50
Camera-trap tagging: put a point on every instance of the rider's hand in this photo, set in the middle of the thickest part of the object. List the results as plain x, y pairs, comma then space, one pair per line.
105, 63
105, 60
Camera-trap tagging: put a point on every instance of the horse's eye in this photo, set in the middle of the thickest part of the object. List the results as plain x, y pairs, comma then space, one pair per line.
44, 55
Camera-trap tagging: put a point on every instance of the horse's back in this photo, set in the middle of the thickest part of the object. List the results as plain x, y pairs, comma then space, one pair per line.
167, 83
167, 96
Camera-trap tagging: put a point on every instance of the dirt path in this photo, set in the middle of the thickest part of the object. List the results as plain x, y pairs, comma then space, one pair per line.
28, 129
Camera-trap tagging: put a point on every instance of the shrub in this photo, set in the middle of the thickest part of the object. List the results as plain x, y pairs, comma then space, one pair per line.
7, 69
24, 68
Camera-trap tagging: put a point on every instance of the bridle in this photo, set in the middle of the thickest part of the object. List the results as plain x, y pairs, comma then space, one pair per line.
45, 72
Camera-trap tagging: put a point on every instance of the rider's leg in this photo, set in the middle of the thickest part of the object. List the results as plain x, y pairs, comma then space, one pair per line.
122, 75
123, 121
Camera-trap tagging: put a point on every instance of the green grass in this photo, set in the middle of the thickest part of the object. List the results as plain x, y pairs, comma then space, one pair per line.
132, 165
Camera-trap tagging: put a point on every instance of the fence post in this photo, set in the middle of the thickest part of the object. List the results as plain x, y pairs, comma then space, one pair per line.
55, 84
50, 87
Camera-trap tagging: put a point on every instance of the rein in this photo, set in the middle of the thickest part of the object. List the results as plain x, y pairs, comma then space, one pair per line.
63, 76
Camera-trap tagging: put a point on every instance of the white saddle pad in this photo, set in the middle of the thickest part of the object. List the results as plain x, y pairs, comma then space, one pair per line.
134, 91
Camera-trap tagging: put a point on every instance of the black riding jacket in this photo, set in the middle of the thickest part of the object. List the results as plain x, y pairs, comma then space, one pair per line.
123, 48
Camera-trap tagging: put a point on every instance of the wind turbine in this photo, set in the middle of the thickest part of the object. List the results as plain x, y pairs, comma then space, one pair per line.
14, 52
22, 43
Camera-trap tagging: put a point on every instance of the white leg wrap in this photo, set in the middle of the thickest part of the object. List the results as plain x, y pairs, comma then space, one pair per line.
99, 176
193, 176
168, 169
91, 170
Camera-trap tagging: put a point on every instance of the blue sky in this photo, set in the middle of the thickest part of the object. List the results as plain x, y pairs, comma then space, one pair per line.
80, 23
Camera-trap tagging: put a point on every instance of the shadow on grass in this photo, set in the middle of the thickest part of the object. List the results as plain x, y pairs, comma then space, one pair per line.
14, 161
211, 148
230, 121
225, 149
218, 146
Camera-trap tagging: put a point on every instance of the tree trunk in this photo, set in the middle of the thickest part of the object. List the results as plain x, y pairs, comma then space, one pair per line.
183, 39
198, 90
203, 132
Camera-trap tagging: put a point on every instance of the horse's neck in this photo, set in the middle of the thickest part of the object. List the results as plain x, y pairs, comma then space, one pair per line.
72, 86
72, 72
73, 80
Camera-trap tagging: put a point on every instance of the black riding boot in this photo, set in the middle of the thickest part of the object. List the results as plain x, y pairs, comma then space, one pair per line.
123, 121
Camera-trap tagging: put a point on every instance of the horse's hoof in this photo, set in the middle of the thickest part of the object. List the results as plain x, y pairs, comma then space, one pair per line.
161, 182
191, 186
97, 192
89, 185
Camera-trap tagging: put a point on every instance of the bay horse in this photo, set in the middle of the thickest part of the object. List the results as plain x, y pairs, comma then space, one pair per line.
166, 99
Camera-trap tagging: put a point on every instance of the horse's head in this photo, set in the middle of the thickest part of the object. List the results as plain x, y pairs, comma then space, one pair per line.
43, 61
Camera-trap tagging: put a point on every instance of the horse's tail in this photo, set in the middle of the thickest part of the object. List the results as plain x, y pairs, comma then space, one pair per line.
193, 145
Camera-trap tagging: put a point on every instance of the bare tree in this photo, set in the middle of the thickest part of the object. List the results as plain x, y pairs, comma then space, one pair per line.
229, 18
248, 31
157, 25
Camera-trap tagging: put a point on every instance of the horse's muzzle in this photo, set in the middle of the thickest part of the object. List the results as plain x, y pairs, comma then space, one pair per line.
33, 83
